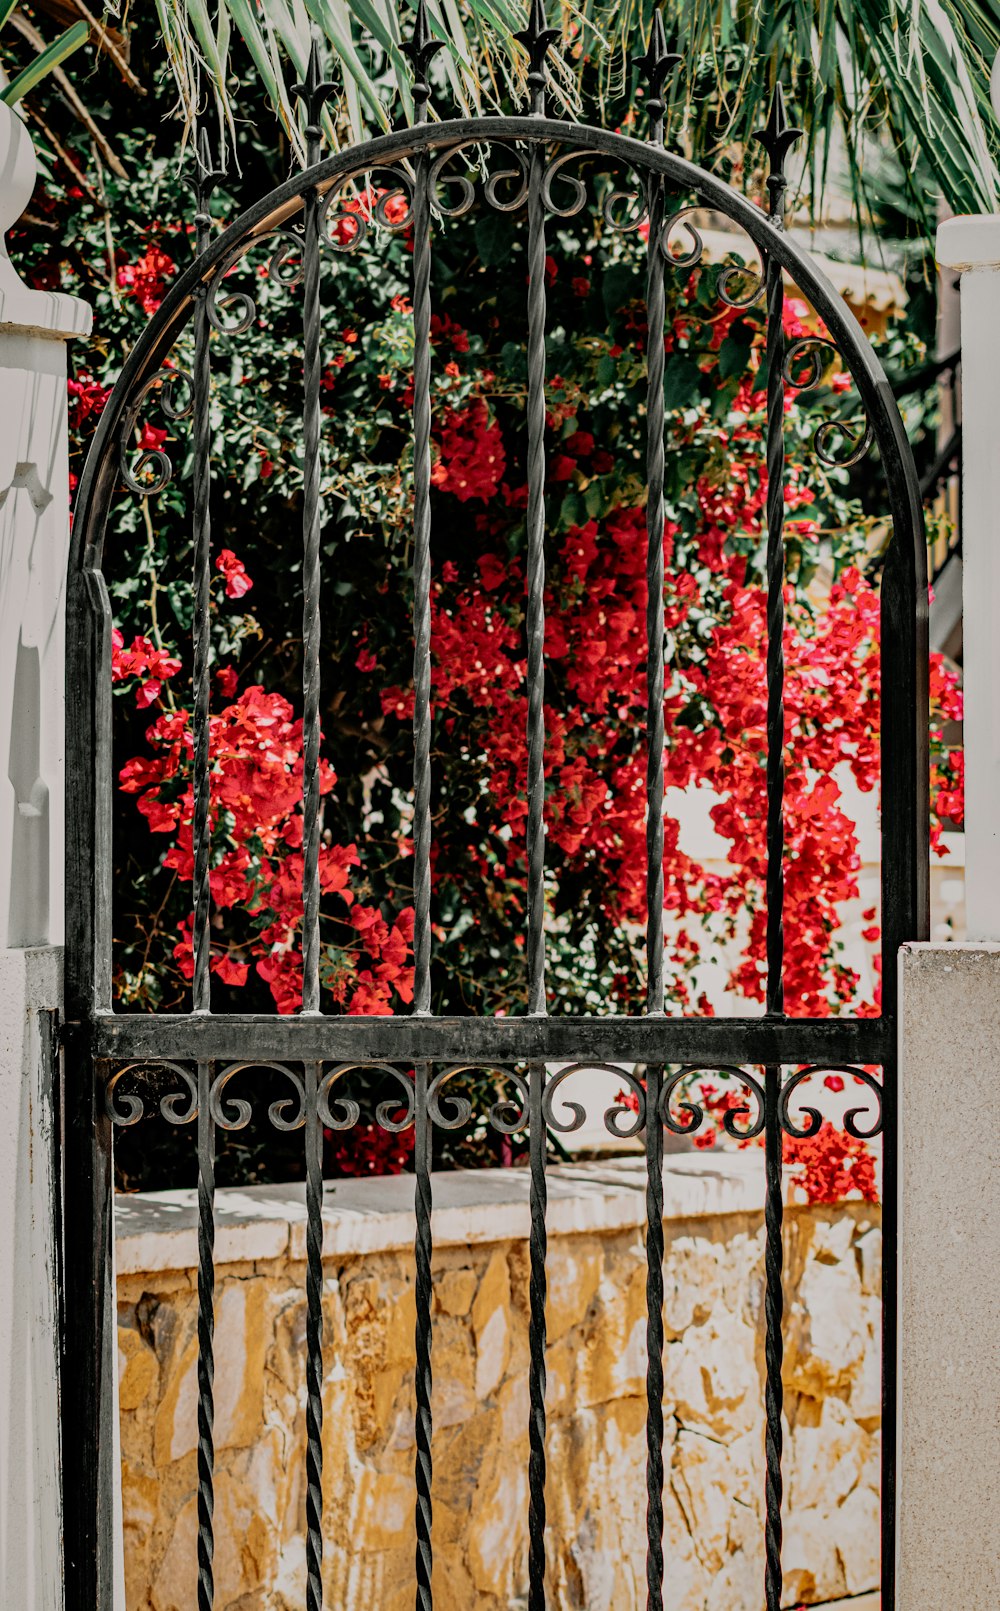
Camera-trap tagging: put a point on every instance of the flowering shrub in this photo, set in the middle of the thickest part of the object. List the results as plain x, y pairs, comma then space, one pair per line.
595, 761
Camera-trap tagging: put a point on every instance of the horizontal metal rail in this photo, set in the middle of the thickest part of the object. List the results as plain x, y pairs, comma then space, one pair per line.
790, 1041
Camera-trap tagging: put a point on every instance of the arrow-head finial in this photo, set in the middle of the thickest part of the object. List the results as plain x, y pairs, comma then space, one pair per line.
657, 65
537, 39
422, 49
313, 92
777, 137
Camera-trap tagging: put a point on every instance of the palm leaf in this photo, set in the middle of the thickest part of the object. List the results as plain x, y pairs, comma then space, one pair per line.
919, 69
45, 61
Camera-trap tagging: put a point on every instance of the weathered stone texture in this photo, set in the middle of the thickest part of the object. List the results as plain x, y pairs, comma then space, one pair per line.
596, 1444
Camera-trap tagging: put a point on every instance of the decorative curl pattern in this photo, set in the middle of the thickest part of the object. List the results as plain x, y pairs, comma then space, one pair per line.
619, 1120
814, 1118
343, 1112
125, 1108
235, 1112
696, 1113
154, 459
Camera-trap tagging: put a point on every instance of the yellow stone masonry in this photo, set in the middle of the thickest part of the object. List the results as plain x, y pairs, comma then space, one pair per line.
596, 1398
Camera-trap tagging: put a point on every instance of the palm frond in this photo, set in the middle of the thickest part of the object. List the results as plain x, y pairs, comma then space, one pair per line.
919, 69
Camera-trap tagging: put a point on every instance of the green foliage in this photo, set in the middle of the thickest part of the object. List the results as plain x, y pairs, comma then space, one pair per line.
917, 73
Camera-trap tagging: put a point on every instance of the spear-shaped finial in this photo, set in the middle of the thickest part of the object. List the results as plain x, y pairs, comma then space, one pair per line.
537, 39
657, 65
777, 137
422, 49
313, 92
206, 178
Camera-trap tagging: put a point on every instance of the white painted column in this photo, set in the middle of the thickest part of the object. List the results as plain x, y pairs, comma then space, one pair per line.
949, 1291
972, 247
34, 541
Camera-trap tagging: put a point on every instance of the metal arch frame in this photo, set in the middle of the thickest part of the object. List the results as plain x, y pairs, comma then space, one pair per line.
904, 587
97, 1038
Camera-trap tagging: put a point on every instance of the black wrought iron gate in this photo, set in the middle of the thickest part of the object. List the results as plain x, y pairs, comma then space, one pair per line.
420, 169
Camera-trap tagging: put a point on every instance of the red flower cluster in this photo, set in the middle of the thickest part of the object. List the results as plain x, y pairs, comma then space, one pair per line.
256, 754
146, 279
87, 398
471, 458
234, 571
151, 667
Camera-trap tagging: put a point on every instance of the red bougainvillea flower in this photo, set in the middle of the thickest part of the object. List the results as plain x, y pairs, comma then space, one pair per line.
146, 279
237, 580
144, 661
87, 398
471, 458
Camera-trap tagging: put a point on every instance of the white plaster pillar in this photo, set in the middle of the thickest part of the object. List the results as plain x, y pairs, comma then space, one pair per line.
949, 1291
34, 541
972, 247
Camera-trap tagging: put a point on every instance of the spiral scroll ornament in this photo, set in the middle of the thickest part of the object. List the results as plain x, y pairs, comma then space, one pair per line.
811, 1119
743, 1123
175, 388
125, 1108
235, 1112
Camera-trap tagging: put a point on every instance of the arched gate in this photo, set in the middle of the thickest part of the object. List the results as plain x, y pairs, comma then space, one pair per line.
430, 171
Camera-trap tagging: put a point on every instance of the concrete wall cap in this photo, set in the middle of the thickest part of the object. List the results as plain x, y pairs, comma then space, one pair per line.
971, 241
157, 1231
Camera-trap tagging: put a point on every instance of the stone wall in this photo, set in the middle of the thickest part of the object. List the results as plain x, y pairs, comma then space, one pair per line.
596, 1365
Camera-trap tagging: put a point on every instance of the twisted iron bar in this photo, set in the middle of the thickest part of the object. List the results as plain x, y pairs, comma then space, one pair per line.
314, 1342
422, 592
537, 1290
657, 63
536, 586
423, 1249
201, 991
206, 1341
777, 138
311, 586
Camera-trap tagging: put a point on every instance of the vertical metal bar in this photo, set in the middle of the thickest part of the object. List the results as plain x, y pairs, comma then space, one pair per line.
88, 1385
201, 630
423, 1378
314, 1341
206, 1340
536, 584
422, 590
654, 895
422, 49
311, 630
537, 1288
773, 1344
776, 138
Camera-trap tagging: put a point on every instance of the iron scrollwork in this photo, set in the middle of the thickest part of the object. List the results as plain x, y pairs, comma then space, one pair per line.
343, 1112
175, 407
819, 351
696, 1113
619, 1120
235, 1112
813, 1118
125, 1108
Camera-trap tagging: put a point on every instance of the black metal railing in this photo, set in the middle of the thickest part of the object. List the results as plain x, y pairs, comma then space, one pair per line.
110, 1055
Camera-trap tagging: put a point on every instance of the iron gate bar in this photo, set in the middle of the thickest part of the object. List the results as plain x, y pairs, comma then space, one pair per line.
656, 65
95, 1032
776, 138
206, 1338
554, 1039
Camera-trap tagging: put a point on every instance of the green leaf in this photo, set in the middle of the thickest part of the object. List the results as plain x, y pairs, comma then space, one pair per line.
494, 238
735, 352
622, 284
49, 58
681, 382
